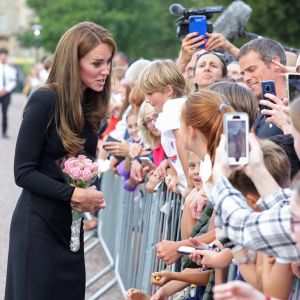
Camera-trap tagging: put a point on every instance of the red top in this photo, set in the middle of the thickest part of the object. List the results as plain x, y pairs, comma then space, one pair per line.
158, 155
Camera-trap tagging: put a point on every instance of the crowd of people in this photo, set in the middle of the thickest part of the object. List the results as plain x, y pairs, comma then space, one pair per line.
163, 120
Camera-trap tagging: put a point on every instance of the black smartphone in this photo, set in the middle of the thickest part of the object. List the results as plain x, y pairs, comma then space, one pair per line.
267, 87
293, 82
111, 139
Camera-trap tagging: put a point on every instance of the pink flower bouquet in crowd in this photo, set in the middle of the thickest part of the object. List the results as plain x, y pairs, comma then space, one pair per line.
79, 171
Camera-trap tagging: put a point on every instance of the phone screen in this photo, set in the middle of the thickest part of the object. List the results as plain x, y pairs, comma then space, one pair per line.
293, 86
237, 141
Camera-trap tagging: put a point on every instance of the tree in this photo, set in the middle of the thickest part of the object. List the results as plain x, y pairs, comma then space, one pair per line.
146, 28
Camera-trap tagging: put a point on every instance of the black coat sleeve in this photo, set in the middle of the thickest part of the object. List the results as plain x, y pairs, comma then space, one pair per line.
29, 147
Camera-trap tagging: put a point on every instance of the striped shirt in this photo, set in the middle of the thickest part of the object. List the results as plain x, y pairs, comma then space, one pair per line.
268, 231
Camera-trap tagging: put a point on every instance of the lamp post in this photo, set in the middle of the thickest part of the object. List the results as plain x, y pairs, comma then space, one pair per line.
36, 28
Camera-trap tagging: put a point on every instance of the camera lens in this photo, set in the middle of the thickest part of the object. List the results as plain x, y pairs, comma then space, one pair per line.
268, 89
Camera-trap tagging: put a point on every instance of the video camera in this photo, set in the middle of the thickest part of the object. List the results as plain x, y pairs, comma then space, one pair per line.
182, 21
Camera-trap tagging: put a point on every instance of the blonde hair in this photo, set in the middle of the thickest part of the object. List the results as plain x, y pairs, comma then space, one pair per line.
71, 111
161, 73
148, 138
202, 111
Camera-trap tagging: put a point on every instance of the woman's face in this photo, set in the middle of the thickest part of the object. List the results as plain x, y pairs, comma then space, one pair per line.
193, 140
95, 67
208, 70
132, 126
194, 168
149, 120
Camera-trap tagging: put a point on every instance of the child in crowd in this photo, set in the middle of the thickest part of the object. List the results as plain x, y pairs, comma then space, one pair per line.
123, 168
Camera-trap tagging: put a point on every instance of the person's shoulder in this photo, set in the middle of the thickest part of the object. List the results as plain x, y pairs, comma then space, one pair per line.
42, 99
44, 95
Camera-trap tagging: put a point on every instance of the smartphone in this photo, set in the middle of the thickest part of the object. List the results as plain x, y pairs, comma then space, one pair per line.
267, 87
189, 250
293, 82
236, 129
110, 139
147, 162
198, 24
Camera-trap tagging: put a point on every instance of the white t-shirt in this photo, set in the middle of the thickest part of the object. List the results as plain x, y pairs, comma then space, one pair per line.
167, 121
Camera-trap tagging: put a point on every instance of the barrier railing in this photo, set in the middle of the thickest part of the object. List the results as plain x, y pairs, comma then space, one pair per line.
130, 227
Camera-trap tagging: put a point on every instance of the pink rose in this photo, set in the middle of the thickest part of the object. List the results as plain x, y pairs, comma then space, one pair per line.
95, 168
75, 173
81, 157
87, 175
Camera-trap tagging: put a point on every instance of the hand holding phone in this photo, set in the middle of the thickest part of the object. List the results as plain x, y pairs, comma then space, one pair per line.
147, 162
267, 87
236, 129
189, 250
197, 23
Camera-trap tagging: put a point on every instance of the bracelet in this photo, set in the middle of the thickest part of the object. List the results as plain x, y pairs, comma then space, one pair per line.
136, 158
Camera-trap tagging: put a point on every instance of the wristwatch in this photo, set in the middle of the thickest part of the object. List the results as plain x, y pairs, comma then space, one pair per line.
241, 261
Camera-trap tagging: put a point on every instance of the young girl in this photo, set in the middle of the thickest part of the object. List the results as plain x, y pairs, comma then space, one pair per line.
135, 148
188, 220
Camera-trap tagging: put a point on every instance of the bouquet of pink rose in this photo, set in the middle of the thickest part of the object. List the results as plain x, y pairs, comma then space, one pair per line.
79, 171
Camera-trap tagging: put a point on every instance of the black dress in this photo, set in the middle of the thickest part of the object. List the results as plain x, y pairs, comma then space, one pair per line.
41, 265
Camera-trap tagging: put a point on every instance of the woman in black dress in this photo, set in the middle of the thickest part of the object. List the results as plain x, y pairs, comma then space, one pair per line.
62, 117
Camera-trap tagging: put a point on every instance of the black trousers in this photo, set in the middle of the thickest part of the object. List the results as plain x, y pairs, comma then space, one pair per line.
5, 101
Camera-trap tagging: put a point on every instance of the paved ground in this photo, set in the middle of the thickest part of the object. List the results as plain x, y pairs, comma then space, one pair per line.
9, 193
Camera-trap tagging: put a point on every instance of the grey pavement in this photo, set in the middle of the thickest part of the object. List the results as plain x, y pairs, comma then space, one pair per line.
9, 193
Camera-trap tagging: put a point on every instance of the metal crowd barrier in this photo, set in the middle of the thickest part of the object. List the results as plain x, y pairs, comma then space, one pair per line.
130, 227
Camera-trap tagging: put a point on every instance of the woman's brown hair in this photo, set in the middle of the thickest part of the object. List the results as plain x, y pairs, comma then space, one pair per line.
73, 108
204, 111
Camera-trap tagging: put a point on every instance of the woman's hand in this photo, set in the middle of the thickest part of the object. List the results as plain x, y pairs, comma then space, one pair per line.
87, 200
221, 166
282, 68
197, 204
278, 113
190, 45
161, 171
135, 149
256, 158
117, 148
152, 182
136, 171
218, 41
161, 278
236, 290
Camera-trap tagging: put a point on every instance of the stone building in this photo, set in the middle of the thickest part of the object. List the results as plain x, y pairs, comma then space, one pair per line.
15, 17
